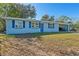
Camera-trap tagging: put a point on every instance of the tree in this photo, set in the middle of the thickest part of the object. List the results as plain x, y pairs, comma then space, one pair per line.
76, 25
27, 11
45, 18
7, 9
51, 18
17, 10
64, 19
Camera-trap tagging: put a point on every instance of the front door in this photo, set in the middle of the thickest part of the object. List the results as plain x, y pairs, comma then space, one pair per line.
42, 27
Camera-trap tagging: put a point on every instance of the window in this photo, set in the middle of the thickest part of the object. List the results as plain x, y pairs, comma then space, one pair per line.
23, 24
33, 24
37, 25
29, 24
18, 24
13, 23
50, 25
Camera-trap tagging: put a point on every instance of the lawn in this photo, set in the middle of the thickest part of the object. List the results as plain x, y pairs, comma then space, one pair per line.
66, 39
40, 44
4, 36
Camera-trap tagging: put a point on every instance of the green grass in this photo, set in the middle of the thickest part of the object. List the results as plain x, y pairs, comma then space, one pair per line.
68, 39
47, 33
33, 34
5, 36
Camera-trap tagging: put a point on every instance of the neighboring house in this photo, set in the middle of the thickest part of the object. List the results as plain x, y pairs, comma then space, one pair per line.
22, 26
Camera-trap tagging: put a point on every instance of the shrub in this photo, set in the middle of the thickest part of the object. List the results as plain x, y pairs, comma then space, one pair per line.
2, 25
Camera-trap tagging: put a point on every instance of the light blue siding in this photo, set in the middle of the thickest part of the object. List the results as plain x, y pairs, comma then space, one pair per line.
10, 30
55, 29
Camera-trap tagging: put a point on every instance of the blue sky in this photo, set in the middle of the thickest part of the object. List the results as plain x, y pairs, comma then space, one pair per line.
57, 9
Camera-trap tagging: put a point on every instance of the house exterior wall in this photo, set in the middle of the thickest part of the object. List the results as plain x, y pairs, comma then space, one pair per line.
55, 29
10, 30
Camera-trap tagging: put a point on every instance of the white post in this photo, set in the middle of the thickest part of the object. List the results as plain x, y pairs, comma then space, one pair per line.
68, 28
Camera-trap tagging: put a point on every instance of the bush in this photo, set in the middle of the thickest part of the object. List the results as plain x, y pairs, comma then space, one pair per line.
2, 25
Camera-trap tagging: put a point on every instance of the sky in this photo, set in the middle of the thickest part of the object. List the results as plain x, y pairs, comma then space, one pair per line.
57, 9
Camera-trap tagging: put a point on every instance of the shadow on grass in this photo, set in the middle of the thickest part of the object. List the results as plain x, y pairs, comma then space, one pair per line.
33, 35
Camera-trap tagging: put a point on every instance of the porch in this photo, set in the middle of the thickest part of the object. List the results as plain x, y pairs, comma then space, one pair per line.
64, 27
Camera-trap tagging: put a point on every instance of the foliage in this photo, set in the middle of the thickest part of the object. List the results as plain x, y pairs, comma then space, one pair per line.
31, 11
2, 25
45, 17
76, 25
51, 18
17, 10
64, 19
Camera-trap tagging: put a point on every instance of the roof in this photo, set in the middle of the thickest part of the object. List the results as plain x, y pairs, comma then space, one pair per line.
11, 18
27, 19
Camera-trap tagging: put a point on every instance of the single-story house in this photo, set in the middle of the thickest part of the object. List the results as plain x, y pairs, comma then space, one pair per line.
22, 26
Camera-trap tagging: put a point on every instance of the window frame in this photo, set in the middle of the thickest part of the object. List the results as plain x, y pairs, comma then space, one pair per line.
18, 24
34, 24
50, 25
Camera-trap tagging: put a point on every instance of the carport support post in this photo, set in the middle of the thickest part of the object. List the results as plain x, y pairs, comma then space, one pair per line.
68, 28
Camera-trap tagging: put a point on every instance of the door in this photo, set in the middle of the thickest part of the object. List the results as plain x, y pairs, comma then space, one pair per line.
42, 27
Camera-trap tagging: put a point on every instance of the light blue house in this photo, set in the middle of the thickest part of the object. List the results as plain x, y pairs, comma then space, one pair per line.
22, 26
